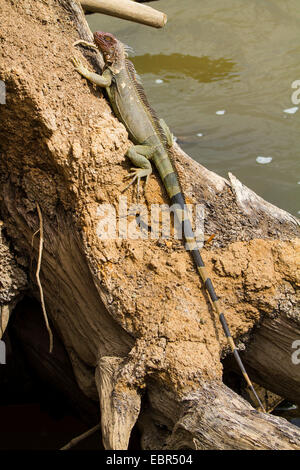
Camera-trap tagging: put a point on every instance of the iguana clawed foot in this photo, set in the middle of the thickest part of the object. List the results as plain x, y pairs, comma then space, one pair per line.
137, 174
139, 155
103, 80
79, 67
85, 43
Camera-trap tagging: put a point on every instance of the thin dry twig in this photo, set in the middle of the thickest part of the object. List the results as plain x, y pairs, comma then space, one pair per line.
38, 277
32, 238
77, 439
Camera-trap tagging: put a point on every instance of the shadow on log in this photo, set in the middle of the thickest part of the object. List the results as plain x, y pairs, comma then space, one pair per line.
132, 311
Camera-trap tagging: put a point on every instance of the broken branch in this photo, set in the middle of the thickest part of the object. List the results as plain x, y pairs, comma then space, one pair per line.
127, 10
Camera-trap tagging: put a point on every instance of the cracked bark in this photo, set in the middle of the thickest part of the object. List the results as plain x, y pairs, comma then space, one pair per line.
13, 281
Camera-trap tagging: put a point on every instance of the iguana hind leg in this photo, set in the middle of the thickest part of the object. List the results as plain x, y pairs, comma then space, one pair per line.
139, 155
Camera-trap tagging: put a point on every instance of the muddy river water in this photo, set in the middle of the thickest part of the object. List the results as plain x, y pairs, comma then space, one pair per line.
221, 74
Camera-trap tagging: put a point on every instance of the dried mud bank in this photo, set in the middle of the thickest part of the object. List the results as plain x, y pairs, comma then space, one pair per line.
131, 314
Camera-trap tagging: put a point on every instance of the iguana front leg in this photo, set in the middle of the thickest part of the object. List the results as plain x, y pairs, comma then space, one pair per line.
140, 155
103, 80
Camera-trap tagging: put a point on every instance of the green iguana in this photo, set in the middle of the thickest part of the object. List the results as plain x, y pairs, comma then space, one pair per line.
153, 143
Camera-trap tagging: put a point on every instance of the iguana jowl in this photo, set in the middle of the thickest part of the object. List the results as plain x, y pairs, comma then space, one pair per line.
153, 142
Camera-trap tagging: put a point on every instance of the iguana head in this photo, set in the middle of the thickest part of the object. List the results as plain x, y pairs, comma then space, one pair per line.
111, 48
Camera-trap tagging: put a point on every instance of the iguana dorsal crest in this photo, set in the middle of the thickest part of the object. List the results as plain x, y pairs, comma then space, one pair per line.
137, 83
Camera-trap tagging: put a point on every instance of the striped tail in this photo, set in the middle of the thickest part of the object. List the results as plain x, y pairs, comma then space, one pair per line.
178, 201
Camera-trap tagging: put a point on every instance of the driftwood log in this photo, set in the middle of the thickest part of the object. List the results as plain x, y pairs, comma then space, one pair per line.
136, 325
127, 10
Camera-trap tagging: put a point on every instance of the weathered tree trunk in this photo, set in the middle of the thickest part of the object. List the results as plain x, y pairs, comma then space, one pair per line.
13, 282
130, 312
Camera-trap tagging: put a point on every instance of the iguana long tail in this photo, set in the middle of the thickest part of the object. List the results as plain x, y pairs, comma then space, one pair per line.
172, 185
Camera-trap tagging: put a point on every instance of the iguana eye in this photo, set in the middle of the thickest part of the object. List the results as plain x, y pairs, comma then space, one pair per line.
107, 38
